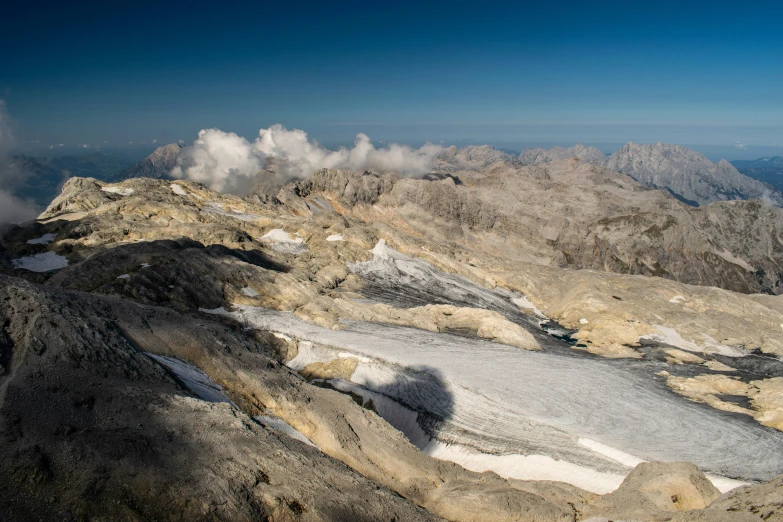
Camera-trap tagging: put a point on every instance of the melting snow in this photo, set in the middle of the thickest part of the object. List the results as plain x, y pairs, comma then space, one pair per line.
335, 237
672, 337
524, 304
123, 276
249, 292
281, 241
43, 240
283, 427
178, 190
118, 190
526, 414
677, 299
193, 378
41, 262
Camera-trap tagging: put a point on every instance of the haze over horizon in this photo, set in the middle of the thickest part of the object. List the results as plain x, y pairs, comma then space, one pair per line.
702, 75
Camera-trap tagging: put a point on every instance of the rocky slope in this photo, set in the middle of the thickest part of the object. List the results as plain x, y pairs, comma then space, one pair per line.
688, 174
90, 421
538, 155
156, 165
575, 215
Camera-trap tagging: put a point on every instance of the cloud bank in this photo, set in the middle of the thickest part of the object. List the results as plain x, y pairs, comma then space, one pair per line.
227, 162
12, 209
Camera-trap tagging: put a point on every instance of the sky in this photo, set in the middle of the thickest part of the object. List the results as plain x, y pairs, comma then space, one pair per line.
511, 74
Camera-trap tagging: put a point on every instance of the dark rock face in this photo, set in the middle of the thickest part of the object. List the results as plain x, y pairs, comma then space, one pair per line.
156, 165
688, 174
93, 427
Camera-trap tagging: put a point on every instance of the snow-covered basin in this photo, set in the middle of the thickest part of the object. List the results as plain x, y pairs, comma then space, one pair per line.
585, 420
44, 262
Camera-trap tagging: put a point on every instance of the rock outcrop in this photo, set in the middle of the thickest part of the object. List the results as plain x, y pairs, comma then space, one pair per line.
688, 174
539, 155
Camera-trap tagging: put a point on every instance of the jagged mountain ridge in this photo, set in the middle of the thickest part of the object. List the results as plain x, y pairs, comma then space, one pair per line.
157, 165
539, 155
688, 174
576, 215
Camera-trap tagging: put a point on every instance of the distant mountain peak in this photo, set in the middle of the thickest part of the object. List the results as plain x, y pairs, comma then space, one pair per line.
156, 165
687, 173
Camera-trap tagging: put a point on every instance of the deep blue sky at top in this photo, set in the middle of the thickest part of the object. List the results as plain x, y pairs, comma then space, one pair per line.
688, 72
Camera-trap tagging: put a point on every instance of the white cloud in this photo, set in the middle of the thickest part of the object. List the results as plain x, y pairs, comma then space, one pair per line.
738, 145
154, 141
227, 162
12, 209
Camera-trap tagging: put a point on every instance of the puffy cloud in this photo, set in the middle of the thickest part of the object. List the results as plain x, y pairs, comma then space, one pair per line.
15, 210
227, 162
738, 145
12, 209
221, 160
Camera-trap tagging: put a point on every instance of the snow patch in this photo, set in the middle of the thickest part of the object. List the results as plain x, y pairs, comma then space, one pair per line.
281, 426
280, 241
249, 292
677, 299
335, 237
178, 190
118, 190
583, 320
45, 262
672, 337
43, 240
145, 265
524, 304
124, 276
193, 378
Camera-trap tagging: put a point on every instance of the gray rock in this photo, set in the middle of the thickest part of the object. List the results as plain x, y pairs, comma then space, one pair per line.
688, 174
539, 155
156, 165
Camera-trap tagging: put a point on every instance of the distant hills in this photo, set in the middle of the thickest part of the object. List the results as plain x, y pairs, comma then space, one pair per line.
687, 174
768, 169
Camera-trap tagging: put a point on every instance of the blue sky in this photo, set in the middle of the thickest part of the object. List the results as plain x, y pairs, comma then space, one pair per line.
705, 73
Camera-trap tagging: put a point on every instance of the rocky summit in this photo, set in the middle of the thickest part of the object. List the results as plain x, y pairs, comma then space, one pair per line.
495, 341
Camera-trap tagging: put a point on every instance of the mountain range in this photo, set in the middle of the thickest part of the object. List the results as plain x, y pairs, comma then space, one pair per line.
497, 341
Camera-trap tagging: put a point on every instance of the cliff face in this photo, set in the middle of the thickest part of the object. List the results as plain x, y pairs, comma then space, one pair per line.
688, 174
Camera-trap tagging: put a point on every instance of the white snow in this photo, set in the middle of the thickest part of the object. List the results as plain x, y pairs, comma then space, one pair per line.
677, 299
335, 237
525, 304
178, 190
278, 234
583, 320
193, 378
41, 262
622, 457
118, 190
249, 292
672, 337
43, 240
145, 265
123, 276
526, 414
281, 426
280, 241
